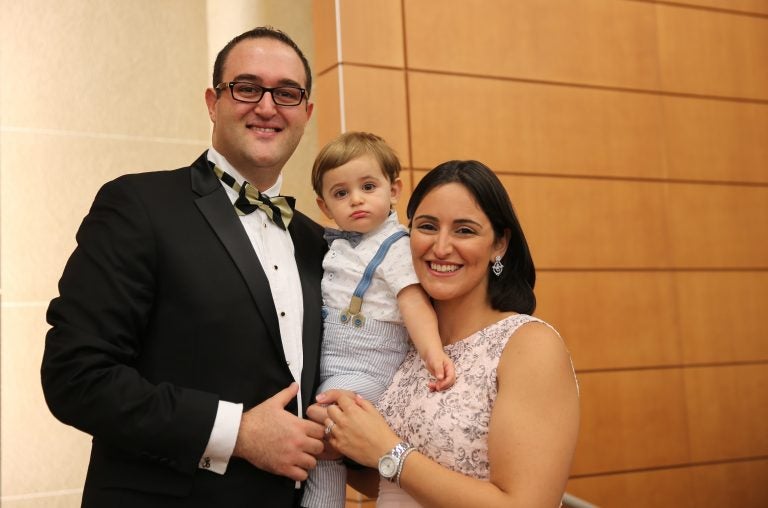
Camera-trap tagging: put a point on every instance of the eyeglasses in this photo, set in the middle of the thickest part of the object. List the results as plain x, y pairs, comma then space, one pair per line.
243, 91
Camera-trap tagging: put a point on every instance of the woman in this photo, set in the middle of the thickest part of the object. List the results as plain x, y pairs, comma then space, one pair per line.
504, 435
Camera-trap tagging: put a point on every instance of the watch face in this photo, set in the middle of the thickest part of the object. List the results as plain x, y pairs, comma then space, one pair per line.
387, 466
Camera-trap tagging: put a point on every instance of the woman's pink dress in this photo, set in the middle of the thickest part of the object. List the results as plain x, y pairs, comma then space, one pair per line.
449, 427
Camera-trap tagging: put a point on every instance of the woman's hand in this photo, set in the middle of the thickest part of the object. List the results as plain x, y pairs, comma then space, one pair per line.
357, 430
319, 413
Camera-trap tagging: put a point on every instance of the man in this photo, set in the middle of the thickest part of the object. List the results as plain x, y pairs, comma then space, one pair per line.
186, 312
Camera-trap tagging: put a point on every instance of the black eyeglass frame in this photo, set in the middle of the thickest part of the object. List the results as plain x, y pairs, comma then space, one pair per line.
231, 85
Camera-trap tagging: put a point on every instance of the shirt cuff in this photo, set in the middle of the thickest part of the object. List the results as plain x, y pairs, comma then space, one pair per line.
223, 437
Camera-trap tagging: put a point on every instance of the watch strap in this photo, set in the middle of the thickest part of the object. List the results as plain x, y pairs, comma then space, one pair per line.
400, 465
395, 454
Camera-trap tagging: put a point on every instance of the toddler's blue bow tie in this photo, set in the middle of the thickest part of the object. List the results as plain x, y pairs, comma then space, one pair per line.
353, 237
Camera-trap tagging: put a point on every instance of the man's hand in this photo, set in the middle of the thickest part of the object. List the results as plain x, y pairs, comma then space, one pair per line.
277, 441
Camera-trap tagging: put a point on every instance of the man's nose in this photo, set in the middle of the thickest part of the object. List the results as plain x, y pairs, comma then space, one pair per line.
266, 106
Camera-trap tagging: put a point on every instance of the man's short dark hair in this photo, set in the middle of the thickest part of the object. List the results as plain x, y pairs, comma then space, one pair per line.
259, 33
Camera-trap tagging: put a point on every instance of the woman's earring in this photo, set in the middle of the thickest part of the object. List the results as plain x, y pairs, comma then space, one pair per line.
497, 267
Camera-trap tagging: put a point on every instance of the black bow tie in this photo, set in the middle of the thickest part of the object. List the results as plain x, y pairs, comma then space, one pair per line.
279, 209
353, 237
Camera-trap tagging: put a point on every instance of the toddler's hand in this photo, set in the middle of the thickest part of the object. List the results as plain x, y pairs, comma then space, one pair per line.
441, 367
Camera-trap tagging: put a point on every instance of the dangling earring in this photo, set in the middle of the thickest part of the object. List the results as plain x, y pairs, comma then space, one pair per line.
497, 267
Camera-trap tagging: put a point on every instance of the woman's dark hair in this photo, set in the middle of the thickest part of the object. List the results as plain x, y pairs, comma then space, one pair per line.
513, 289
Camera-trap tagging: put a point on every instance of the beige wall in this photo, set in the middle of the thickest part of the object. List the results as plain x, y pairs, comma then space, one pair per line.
631, 136
92, 89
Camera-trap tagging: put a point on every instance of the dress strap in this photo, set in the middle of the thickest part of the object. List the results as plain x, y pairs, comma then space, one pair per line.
352, 314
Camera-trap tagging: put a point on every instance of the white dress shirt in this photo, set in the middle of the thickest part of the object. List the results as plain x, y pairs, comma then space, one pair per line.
274, 248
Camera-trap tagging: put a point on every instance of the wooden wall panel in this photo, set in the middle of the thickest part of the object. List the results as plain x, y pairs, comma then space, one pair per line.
631, 420
657, 318
530, 128
718, 226
741, 484
327, 111
721, 316
324, 21
716, 140
655, 418
580, 223
375, 101
699, 51
380, 21
745, 6
727, 411
557, 40
712, 53
704, 486
642, 489
604, 317
631, 138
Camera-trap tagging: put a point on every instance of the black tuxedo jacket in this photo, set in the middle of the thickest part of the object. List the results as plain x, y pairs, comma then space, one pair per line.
164, 309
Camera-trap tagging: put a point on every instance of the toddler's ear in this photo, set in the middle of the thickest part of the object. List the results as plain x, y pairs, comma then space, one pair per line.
396, 188
323, 207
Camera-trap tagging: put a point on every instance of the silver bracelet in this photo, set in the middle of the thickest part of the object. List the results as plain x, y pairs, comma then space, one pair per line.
400, 466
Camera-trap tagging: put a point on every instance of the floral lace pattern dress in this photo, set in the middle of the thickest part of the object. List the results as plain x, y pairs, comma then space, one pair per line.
449, 427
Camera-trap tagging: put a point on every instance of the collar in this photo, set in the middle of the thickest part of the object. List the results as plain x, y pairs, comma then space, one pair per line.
224, 164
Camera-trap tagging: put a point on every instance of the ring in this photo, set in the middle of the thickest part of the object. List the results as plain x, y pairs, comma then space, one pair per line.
329, 428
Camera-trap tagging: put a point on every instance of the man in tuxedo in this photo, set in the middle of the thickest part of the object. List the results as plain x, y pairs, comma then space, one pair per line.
186, 337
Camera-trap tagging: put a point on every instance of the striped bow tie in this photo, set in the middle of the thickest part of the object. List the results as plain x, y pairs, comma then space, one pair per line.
279, 209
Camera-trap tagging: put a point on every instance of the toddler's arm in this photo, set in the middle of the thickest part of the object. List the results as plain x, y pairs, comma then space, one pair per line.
420, 320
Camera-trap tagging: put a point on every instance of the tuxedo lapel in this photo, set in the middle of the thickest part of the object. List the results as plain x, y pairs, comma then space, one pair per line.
310, 272
217, 209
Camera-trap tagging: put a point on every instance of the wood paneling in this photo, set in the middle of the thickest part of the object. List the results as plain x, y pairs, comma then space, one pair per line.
644, 489
652, 418
531, 128
363, 22
375, 101
745, 6
721, 316
649, 318
631, 420
706, 486
324, 21
741, 484
612, 319
327, 111
716, 140
576, 223
727, 411
624, 224
599, 42
711, 53
631, 137
717, 226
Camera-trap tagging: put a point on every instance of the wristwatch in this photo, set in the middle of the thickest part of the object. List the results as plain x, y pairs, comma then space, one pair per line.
390, 464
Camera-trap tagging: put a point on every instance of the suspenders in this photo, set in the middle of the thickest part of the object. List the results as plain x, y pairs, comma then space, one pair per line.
352, 314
